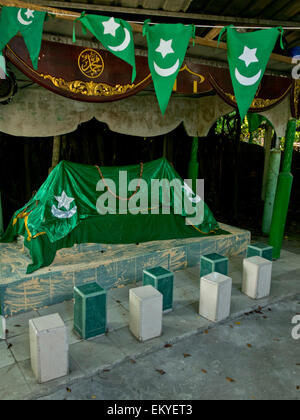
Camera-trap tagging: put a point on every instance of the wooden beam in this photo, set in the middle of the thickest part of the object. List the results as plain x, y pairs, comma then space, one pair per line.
60, 13
213, 33
194, 17
138, 28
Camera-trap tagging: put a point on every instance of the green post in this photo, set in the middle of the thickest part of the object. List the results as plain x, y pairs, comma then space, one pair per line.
271, 186
283, 194
1, 217
193, 169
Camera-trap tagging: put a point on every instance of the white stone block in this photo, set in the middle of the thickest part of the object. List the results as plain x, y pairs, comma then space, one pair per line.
257, 276
145, 312
48, 347
2, 328
215, 296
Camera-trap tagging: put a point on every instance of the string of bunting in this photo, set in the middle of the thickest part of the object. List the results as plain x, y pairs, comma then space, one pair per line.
248, 52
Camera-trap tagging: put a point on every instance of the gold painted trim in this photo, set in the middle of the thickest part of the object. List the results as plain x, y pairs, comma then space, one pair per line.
260, 103
195, 87
88, 88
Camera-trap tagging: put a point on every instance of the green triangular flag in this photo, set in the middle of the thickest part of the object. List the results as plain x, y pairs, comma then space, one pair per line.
115, 34
248, 56
167, 46
29, 22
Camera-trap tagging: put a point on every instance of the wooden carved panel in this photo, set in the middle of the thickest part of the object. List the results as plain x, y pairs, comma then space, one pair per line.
84, 74
271, 91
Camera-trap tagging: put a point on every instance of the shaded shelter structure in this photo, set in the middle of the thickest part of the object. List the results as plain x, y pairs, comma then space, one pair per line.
77, 82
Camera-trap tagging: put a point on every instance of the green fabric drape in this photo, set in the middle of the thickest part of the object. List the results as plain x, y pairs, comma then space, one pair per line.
64, 211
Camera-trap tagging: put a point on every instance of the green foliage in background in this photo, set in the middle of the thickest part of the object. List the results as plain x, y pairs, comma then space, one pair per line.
226, 126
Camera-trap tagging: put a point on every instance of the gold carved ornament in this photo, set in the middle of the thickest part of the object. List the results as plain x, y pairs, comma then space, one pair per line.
260, 103
89, 88
90, 63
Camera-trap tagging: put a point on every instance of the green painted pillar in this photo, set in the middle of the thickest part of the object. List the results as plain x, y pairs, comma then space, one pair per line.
283, 193
1, 217
271, 186
193, 168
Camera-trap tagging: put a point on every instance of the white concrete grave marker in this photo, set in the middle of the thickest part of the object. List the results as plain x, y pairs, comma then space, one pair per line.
257, 276
145, 312
48, 347
215, 296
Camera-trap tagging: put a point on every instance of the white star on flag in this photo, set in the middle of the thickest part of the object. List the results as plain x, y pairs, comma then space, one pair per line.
249, 56
29, 13
165, 47
64, 201
110, 27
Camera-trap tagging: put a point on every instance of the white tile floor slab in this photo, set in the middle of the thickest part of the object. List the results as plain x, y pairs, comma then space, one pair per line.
64, 309
20, 347
6, 357
12, 384
74, 373
117, 317
19, 324
101, 352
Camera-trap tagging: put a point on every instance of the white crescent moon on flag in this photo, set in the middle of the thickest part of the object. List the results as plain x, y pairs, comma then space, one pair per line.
124, 44
247, 81
63, 214
21, 20
166, 72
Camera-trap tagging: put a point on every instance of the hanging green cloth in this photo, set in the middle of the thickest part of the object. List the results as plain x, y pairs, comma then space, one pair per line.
79, 204
115, 34
167, 46
248, 55
29, 22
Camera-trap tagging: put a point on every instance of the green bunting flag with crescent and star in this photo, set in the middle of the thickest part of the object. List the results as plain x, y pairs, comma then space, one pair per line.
29, 22
248, 56
167, 46
115, 34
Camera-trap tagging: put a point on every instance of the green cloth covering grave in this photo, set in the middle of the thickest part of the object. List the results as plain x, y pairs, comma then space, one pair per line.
69, 209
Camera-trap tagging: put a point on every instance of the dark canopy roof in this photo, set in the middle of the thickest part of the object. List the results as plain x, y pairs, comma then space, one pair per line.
263, 12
